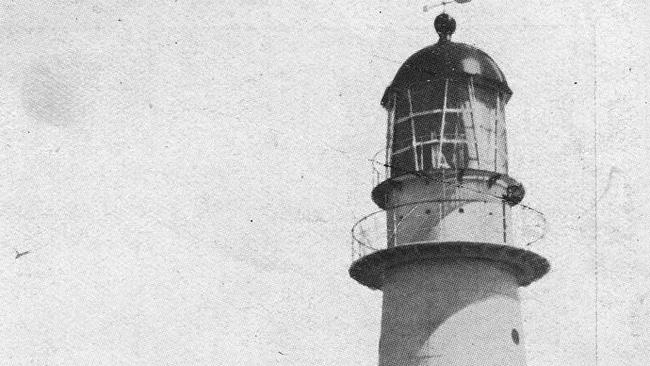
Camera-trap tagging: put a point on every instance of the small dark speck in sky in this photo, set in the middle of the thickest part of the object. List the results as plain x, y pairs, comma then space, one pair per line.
20, 254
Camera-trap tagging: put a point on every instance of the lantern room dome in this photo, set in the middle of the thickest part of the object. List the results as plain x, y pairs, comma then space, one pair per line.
447, 59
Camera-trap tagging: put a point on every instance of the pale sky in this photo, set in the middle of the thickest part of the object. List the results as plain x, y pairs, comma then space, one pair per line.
185, 174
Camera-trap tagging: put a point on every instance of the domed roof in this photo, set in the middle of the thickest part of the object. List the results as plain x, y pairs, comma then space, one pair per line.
447, 59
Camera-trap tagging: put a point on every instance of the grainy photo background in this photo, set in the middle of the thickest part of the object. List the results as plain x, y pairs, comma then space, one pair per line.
179, 178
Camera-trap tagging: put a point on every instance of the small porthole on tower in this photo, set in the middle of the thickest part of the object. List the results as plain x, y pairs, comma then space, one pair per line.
461, 210
490, 213
515, 336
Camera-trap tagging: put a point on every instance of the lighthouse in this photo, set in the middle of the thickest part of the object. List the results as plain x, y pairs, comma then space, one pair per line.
446, 257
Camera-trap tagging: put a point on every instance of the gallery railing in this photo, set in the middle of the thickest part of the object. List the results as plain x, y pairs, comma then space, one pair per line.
431, 221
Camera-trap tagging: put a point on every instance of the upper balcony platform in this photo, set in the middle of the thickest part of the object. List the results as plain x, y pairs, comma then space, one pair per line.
440, 214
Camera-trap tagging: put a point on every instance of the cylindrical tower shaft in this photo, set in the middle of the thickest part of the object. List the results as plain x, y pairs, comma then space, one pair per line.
455, 312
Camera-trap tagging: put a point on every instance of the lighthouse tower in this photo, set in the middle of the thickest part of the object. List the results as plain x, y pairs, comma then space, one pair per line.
450, 267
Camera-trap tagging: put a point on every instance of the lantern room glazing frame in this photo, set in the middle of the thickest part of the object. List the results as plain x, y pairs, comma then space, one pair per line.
483, 138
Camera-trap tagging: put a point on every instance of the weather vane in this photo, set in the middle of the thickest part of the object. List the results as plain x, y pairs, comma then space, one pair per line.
443, 3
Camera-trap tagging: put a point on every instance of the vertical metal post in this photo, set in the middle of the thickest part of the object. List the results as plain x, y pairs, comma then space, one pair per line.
456, 147
413, 140
389, 137
442, 125
395, 225
502, 119
505, 226
472, 105
496, 142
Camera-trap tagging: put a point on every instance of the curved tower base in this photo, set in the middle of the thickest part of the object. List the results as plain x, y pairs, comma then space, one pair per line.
451, 312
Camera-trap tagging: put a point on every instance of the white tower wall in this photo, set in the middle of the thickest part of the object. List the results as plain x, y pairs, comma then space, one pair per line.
455, 312
429, 211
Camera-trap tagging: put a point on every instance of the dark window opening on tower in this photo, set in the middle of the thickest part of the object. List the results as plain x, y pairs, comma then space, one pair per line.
515, 336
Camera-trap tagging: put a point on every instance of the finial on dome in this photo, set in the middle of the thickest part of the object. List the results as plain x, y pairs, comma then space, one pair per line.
445, 26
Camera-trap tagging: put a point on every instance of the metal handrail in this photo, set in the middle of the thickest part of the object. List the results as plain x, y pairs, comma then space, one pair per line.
370, 233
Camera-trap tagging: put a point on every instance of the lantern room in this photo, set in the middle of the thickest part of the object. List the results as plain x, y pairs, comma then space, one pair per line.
446, 109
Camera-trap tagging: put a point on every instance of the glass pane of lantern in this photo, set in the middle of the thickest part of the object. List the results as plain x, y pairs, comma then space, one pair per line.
455, 155
454, 127
427, 96
403, 136
457, 94
401, 106
486, 96
427, 127
402, 163
439, 158
486, 124
421, 98
426, 158
502, 148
